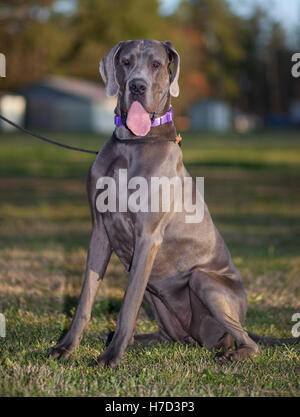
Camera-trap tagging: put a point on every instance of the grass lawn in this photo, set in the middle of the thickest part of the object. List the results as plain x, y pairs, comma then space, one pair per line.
253, 193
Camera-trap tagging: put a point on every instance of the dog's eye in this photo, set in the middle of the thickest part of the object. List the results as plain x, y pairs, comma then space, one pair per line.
156, 64
125, 62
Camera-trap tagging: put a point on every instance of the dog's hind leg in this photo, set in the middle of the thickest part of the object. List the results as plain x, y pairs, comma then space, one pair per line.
226, 305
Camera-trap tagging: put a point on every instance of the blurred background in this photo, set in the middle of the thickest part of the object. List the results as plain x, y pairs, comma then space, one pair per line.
239, 115
236, 60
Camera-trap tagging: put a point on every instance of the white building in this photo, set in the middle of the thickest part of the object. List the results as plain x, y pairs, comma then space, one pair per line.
68, 104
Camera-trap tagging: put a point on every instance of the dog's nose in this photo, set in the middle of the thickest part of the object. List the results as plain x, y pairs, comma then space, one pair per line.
137, 86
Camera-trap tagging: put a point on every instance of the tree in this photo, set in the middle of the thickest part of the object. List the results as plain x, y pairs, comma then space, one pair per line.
29, 39
96, 26
219, 51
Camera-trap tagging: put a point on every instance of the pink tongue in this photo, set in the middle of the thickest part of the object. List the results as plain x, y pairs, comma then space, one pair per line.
138, 120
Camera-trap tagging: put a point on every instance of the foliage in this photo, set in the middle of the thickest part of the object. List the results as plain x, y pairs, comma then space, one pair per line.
245, 61
30, 41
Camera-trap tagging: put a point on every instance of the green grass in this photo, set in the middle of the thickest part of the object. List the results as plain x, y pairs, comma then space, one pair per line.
252, 191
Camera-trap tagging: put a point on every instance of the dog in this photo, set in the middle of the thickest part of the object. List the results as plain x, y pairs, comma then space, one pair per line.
182, 270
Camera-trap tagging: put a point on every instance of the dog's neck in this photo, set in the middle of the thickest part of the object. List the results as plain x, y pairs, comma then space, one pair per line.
166, 130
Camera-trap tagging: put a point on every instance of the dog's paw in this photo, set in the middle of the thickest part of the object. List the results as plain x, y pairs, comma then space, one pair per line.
107, 359
61, 351
236, 355
223, 358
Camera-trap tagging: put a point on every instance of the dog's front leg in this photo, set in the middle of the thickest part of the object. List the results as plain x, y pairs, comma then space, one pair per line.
98, 257
144, 255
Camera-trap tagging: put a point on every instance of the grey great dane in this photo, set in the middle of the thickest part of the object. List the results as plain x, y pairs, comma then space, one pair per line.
183, 271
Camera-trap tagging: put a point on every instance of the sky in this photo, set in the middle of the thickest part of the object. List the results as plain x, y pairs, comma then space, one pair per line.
286, 11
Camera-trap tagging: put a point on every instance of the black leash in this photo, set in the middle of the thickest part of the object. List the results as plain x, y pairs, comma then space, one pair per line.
138, 139
73, 148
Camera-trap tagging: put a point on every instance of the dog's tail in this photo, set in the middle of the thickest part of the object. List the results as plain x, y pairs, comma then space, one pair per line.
270, 341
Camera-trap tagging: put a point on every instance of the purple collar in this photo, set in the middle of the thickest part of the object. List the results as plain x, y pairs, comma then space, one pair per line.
166, 118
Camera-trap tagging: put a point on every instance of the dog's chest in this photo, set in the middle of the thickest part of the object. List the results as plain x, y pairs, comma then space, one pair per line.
120, 232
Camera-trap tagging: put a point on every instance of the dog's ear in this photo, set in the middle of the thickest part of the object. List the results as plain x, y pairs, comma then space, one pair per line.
107, 69
175, 59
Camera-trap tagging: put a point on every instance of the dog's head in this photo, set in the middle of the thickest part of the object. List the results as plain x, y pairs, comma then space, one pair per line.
139, 73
